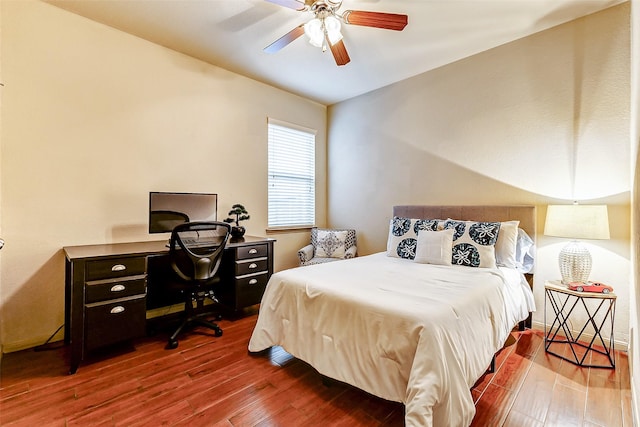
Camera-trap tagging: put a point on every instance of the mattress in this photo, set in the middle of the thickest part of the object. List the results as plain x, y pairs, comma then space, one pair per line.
415, 333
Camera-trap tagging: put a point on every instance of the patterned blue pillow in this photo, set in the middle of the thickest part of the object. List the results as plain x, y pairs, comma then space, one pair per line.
474, 243
403, 235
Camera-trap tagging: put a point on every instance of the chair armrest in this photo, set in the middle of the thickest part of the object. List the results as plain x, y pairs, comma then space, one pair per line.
305, 254
351, 252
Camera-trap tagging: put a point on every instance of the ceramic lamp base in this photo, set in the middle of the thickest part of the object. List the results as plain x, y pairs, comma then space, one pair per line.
575, 263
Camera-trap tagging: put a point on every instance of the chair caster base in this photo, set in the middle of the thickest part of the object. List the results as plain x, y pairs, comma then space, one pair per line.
172, 344
217, 332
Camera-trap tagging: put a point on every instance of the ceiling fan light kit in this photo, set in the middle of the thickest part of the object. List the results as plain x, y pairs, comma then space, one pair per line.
324, 29
321, 29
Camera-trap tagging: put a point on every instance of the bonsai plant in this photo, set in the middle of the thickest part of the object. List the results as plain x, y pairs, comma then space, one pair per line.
236, 214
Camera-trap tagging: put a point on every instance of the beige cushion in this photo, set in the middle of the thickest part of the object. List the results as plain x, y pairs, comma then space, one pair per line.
434, 247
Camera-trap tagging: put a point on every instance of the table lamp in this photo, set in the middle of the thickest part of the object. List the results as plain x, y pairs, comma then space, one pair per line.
576, 222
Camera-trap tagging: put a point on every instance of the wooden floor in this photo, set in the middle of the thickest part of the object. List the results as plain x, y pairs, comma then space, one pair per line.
212, 381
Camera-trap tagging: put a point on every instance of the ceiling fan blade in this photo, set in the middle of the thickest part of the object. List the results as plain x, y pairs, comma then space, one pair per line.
291, 4
388, 21
339, 52
285, 40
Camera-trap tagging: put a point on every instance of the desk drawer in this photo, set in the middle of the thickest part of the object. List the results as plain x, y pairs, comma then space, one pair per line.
115, 267
102, 290
249, 290
113, 321
252, 251
252, 266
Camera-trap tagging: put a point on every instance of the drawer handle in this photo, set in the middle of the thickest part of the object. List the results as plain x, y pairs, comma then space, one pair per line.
253, 251
117, 309
117, 288
253, 281
118, 267
253, 265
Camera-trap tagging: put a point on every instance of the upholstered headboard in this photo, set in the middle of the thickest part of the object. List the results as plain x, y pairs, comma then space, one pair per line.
525, 214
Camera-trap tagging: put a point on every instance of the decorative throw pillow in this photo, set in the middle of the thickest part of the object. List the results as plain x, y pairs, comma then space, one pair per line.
331, 244
435, 247
474, 243
403, 235
506, 244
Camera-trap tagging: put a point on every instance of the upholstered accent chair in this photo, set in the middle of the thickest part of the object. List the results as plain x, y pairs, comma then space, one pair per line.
328, 245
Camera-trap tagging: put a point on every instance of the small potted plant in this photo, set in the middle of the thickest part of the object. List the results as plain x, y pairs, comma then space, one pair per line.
236, 214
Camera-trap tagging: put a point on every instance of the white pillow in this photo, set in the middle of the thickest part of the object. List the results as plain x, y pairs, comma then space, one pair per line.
506, 244
331, 244
474, 243
434, 247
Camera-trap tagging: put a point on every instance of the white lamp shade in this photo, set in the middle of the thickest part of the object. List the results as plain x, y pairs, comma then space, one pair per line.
315, 31
577, 221
332, 26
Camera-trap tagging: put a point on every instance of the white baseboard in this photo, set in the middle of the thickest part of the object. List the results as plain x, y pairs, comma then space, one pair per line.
59, 336
163, 311
31, 343
619, 345
634, 402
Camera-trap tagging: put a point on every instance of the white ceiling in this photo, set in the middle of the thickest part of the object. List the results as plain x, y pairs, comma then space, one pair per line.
232, 33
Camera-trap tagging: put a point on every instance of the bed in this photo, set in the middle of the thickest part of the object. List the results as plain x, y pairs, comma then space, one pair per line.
406, 331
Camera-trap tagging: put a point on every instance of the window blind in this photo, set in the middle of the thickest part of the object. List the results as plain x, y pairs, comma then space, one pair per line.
291, 181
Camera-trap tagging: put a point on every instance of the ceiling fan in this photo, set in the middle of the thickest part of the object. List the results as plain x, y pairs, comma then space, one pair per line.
324, 29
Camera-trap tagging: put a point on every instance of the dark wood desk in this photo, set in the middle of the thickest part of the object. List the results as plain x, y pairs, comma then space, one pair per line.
108, 287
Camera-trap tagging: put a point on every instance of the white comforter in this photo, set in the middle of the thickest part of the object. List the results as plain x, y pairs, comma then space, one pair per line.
407, 332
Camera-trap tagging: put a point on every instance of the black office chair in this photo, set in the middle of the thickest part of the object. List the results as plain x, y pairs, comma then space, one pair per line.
196, 269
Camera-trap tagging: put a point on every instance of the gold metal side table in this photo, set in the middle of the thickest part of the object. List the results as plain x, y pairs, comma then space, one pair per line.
600, 316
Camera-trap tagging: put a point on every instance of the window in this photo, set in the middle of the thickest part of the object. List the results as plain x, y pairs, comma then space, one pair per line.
292, 181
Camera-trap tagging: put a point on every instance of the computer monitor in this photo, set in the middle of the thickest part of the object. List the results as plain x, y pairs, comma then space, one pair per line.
167, 209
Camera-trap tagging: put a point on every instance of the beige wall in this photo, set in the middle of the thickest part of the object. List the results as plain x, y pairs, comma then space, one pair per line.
92, 120
1, 92
541, 120
634, 338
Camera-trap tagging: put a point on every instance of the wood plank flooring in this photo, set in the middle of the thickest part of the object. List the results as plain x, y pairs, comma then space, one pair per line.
210, 381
